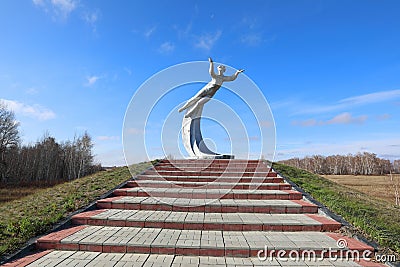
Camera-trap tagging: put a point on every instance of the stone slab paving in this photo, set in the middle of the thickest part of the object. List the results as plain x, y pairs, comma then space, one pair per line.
211, 221
214, 169
62, 258
226, 173
209, 193
222, 178
204, 205
215, 184
170, 241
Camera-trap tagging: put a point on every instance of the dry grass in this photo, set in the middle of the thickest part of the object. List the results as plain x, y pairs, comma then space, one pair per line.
10, 193
34, 214
375, 186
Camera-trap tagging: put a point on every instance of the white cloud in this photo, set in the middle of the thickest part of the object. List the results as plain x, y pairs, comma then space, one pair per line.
128, 70
343, 118
283, 104
305, 123
60, 8
252, 39
38, 2
64, 7
384, 117
250, 22
32, 91
134, 131
166, 48
207, 41
90, 80
107, 137
150, 31
371, 98
91, 18
183, 32
251, 32
347, 118
359, 100
35, 111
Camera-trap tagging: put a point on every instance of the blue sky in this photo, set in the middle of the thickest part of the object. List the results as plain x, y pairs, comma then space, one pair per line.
330, 70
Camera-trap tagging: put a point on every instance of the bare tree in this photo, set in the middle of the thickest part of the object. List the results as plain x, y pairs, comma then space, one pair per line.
360, 164
394, 181
396, 166
85, 147
49, 162
9, 136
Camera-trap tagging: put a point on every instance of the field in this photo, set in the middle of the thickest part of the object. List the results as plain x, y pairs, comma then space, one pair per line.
374, 218
34, 211
375, 186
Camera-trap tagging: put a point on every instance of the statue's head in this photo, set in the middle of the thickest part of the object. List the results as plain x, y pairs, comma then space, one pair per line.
221, 69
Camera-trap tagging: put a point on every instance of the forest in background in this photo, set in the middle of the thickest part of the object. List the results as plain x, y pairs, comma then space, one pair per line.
44, 163
359, 164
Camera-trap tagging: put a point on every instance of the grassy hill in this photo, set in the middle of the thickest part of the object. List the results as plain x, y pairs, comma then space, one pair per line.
374, 218
35, 214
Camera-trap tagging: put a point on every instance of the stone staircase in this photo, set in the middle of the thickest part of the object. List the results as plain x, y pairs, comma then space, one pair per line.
200, 213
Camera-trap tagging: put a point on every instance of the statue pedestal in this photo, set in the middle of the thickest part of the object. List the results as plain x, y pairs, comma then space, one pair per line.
193, 139
219, 156
225, 157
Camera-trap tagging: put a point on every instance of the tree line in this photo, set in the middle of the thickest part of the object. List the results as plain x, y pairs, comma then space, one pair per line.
359, 164
45, 162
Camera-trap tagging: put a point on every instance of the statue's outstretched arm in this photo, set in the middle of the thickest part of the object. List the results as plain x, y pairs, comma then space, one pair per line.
211, 70
233, 77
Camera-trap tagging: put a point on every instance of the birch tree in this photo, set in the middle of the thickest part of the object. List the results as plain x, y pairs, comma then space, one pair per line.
9, 136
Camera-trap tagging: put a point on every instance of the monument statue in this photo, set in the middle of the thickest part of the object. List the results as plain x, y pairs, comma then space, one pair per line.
191, 132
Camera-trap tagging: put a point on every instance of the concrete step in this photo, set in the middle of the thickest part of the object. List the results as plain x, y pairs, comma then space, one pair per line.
213, 169
207, 221
253, 167
204, 205
211, 185
196, 242
96, 259
210, 173
200, 193
208, 179
222, 166
212, 161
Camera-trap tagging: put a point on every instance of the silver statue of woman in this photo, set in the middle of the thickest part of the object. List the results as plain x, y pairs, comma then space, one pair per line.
191, 131
208, 91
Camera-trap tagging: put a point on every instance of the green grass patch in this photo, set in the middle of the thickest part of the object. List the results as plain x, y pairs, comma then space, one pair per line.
36, 213
373, 217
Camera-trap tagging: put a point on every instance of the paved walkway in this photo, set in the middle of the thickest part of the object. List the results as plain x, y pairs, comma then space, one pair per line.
97, 259
201, 213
